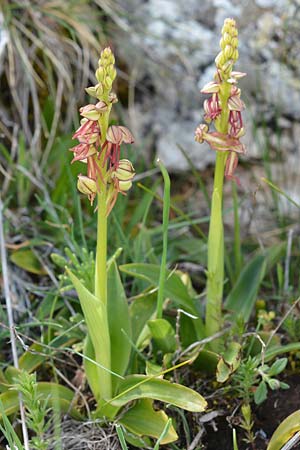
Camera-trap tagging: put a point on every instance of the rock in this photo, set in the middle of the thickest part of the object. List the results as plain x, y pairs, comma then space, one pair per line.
172, 45
181, 135
269, 3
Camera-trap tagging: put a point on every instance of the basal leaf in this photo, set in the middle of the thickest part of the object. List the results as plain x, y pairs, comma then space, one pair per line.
96, 320
135, 387
142, 420
119, 324
141, 310
163, 335
285, 431
27, 260
174, 287
242, 298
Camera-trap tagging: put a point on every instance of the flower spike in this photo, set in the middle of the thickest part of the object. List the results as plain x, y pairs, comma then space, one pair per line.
99, 145
224, 107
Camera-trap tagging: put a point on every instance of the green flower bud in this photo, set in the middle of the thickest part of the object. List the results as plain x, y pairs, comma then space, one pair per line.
100, 74
108, 82
125, 170
90, 112
124, 186
123, 175
86, 185
91, 91
228, 52
234, 42
99, 89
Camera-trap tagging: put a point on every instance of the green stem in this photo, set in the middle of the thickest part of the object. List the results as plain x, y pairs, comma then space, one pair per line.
101, 253
215, 264
215, 275
102, 356
163, 266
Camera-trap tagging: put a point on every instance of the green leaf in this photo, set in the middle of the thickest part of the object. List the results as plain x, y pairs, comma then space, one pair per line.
260, 394
27, 260
96, 320
174, 287
142, 420
51, 392
119, 324
141, 310
38, 353
163, 335
279, 350
289, 427
229, 362
277, 367
91, 369
206, 361
242, 297
135, 387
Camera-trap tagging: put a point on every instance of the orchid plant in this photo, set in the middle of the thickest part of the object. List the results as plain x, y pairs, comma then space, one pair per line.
224, 110
109, 344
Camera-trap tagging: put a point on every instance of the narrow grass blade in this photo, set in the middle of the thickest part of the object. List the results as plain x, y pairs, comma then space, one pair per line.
121, 437
281, 192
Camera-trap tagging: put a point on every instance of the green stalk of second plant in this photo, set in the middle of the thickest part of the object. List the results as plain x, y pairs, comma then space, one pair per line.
215, 264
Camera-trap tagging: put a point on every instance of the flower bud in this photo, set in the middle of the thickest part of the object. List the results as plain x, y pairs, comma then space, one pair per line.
108, 82
86, 185
228, 51
124, 186
91, 91
90, 112
235, 55
226, 38
101, 106
111, 71
99, 89
234, 42
100, 74
125, 171
210, 88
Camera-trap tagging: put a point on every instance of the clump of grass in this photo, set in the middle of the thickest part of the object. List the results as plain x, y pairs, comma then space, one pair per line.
50, 48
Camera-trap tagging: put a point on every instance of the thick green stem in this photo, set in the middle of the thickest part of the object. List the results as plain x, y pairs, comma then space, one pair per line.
215, 276
101, 253
215, 265
102, 355
163, 265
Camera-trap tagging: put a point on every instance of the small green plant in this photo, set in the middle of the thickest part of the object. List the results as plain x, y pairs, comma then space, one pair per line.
252, 379
247, 424
36, 409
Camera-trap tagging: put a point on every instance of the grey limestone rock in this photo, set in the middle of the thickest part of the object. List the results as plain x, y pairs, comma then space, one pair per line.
170, 49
